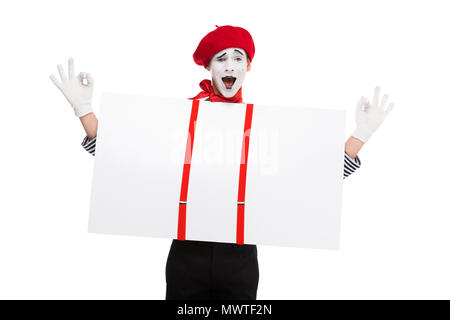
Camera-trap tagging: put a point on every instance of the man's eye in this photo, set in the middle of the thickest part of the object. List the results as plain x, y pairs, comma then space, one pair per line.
238, 59
221, 59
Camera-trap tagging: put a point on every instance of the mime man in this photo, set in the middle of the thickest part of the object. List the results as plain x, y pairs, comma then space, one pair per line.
203, 269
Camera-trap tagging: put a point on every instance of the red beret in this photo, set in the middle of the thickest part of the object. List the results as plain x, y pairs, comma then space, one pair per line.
222, 38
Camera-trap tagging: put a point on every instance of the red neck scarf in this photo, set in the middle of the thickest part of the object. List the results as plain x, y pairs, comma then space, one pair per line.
208, 90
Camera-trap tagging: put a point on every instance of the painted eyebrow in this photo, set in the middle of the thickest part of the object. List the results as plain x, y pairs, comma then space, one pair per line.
221, 55
238, 51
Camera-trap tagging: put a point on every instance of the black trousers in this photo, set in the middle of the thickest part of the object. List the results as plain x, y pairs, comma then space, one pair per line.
211, 270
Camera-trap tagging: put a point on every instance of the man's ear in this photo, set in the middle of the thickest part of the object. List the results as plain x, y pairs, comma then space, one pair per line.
249, 65
208, 68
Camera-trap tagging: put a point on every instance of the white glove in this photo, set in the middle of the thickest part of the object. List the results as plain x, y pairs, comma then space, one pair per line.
369, 116
77, 90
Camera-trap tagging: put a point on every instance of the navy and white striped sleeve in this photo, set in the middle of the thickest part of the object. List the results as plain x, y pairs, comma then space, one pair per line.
89, 144
350, 165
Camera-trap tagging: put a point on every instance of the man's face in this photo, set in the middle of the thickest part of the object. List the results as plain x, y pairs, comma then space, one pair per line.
228, 68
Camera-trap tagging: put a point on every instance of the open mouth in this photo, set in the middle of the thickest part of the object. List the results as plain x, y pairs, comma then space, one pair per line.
228, 81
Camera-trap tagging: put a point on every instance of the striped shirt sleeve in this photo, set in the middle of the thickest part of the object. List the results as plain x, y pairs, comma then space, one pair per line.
89, 144
350, 165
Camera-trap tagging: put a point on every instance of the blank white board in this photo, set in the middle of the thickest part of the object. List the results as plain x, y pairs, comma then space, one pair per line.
294, 171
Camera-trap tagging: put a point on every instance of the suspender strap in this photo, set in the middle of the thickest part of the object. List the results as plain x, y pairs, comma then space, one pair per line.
186, 169
243, 175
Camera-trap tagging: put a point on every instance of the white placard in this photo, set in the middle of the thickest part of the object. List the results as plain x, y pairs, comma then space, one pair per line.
294, 175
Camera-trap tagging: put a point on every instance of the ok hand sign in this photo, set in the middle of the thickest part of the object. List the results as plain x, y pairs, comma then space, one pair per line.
77, 90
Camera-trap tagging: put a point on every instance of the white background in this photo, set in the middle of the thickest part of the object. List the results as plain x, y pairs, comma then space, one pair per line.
395, 237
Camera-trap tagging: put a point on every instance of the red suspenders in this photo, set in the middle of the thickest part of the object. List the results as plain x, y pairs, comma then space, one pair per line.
186, 170
242, 173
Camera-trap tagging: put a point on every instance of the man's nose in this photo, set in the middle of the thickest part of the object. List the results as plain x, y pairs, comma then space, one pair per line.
229, 67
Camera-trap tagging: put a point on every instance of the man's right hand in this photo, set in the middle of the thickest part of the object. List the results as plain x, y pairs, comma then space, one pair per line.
77, 90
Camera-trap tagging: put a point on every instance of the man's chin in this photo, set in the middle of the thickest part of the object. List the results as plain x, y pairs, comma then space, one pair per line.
228, 94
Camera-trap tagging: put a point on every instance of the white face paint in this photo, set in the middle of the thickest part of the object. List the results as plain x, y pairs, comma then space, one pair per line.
228, 68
